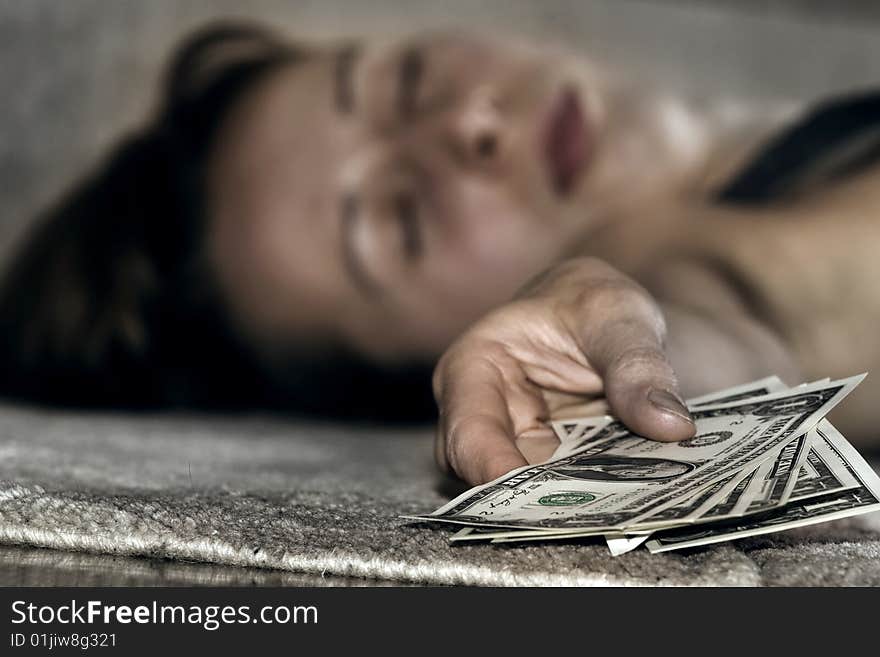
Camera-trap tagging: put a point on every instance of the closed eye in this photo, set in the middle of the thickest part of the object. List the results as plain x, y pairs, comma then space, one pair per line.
409, 76
343, 87
406, 214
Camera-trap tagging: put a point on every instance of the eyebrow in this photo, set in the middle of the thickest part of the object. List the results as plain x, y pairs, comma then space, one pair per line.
343, 86
409, 75
350, 257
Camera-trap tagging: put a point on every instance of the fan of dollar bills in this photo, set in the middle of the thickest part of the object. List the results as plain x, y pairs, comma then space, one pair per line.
763, 460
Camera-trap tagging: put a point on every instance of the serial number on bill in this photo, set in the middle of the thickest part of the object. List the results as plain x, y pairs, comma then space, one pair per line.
53, 641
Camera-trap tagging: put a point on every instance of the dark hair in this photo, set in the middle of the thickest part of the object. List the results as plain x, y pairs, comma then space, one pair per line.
109, 303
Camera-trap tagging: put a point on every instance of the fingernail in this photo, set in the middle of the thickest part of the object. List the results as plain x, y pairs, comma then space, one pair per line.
669, 403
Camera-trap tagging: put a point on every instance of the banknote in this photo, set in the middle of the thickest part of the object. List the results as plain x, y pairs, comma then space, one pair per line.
863, 498
616, 543
799, 477
823, 470
617, 480
820, 470
635, 536
796, 420
571, 431
757, 388
807, 467
794, 515
768, 477
471, 534
619, 544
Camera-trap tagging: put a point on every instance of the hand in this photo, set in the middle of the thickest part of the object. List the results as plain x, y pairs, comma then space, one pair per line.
582, 330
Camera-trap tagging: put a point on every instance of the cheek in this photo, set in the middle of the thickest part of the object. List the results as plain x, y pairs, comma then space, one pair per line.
494, 239
483, 252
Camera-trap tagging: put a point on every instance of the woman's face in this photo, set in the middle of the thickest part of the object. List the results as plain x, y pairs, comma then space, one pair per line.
390, 193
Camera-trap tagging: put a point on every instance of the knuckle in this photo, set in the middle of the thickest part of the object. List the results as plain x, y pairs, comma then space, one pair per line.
460, 446
437, 381
585, 266
447, 369
638, 357
454, 445
618, 295
440, 450
603, 296
457, 433
642, 363
627, 309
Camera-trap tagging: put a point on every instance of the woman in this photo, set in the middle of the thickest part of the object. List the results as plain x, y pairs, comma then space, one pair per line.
313, 228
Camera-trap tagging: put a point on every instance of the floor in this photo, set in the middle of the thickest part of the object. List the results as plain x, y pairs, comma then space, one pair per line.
25, 566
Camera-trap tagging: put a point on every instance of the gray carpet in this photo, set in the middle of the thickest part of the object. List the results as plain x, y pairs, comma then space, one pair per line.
323, 501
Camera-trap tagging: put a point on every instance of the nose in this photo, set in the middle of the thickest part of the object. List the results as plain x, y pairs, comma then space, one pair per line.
477, 128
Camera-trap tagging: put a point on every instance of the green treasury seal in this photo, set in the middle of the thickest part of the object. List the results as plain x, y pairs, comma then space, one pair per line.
566, 499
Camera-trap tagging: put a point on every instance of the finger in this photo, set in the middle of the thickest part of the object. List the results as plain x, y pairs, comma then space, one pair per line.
643, 393
640, 384
526, 405
537, 445
476, 431
480, 449
552, 369
563, 405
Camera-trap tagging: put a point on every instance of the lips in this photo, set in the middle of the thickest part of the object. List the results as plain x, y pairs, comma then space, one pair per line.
565, 142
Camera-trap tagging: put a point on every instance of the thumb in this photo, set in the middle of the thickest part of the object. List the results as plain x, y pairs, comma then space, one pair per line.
642, 391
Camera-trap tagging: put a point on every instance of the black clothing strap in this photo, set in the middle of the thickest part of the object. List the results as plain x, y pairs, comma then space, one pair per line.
839, 137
